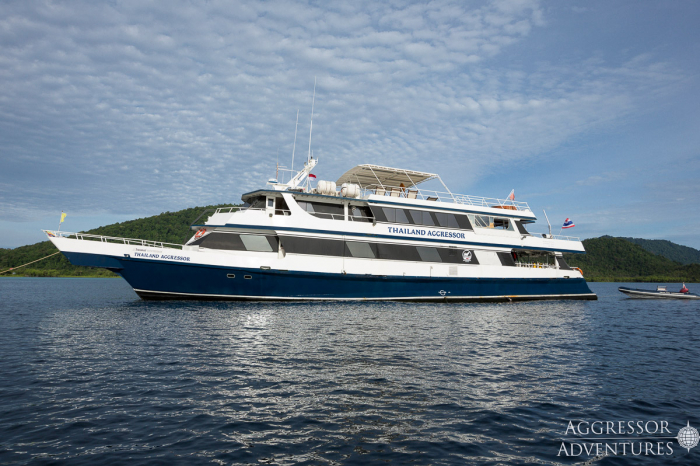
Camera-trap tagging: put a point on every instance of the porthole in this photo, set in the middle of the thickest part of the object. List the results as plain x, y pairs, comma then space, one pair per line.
230, 275
248, 277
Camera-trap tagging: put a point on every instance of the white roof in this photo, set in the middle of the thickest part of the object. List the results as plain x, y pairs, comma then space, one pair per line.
367, 175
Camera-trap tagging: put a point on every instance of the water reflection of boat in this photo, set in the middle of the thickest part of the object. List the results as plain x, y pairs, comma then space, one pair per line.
660, 292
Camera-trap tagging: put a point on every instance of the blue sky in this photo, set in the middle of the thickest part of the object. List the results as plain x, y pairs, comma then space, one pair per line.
118, 110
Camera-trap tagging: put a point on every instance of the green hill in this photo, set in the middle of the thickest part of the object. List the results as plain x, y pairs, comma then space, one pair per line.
169, 227
609, 259
675, 252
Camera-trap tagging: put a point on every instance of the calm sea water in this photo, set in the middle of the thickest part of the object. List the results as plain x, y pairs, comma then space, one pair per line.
90, 374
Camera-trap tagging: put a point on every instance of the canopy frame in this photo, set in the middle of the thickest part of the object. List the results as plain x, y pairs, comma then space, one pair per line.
366, 174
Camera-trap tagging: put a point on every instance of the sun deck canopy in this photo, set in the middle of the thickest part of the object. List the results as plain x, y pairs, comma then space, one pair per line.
367, 175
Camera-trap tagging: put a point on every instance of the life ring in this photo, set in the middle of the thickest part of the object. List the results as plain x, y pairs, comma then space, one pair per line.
579, 270
199, 233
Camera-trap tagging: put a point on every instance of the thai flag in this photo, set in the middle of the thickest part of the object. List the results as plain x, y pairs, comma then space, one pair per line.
568, 223
311, 175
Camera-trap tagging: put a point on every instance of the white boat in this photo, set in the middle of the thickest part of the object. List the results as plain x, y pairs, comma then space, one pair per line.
371, 235
660, 293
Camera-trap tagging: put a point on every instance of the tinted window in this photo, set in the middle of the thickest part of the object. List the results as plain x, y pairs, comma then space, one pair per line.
416, 216
390, 214
235, 242
521, 228
452, 221
440, 219
360, 250
316, 246
324, 210
398, 252
428, 219
429, 254
257, 203
281, 208
562, 263
256, 243
225, 241
378, 213
463, 222
501, 223
360, 213
506, 259
401, 216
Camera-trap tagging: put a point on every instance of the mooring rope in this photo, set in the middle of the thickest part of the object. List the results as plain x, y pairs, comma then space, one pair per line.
13, 268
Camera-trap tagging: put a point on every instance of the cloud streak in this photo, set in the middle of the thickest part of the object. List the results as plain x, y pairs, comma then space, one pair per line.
136, 107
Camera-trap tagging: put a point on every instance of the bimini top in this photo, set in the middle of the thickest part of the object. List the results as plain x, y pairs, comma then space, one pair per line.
373, 175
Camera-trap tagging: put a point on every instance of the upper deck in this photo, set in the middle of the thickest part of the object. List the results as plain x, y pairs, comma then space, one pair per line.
399, 183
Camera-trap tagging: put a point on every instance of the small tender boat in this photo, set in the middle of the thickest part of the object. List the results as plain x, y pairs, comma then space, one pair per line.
660, 292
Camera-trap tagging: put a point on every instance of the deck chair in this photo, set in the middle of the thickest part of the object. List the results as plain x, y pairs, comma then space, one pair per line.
380, 191
432, 199
395, 192
412, 194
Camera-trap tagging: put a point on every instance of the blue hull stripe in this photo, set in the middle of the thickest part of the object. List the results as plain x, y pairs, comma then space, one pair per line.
171, 279
371, 235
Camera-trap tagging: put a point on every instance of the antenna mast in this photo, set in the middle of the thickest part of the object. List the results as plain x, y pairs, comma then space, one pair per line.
550, 225
295, 140
311, 127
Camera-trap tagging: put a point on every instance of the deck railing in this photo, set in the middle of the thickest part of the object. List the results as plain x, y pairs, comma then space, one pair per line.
112, 239
430, 195
560, 237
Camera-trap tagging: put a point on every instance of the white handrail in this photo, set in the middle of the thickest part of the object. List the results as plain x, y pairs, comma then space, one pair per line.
112, 239
466, 199
560, 237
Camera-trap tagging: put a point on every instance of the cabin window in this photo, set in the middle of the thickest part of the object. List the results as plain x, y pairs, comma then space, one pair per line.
420, 217
315, 246
282, 208
429, 254
236, 242
360, 250
256, 243
401, 216
398, 252
482, 221
501, 223
225, 241
521, 228
390, 214
270, 202
324, 210
257, 203
562, 263
360, 214
506, 259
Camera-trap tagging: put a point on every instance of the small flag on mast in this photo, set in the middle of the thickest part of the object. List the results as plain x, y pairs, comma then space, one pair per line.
63, 216
568, 223
511, 196
311, 175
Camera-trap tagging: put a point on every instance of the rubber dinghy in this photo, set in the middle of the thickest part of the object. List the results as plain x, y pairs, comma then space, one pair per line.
660, 293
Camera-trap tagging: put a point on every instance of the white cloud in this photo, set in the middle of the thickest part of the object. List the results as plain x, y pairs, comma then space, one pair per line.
142, 107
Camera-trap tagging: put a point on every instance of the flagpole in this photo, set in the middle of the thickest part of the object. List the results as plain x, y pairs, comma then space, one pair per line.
59, 222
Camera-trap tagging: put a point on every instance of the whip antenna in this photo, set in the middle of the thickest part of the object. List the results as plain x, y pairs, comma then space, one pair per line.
311, 127
295, 140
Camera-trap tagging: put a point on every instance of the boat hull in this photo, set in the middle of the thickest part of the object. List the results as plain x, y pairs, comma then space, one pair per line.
154, 279
651, 294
